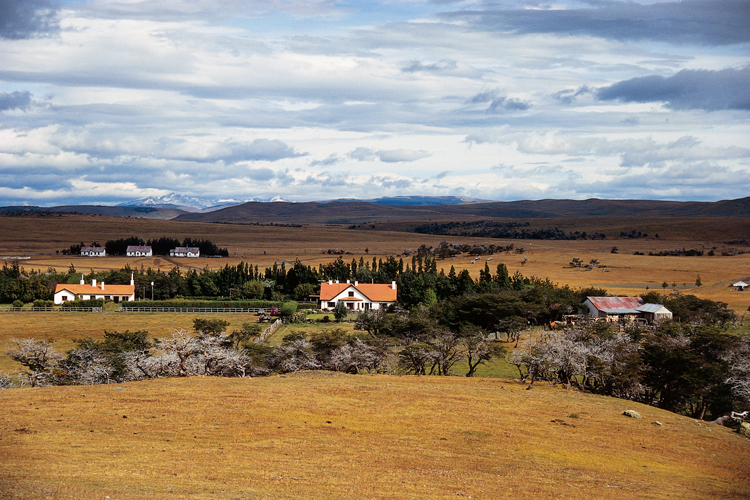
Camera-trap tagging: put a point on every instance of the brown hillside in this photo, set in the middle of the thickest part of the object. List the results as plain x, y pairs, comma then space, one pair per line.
361, 212
331, 436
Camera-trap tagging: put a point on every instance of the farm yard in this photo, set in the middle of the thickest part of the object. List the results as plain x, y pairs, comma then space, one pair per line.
327, 434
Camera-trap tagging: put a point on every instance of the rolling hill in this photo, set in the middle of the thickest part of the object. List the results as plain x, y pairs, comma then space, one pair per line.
357, 212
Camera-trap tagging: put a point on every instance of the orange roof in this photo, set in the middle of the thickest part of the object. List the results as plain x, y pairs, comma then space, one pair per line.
375, 292
96, 290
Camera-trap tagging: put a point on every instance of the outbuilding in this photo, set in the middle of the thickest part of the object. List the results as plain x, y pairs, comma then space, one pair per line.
740, 286
139, 251
93, 252
185, 252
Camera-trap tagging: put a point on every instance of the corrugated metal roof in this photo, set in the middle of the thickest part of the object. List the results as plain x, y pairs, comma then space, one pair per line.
617, 305
652, 308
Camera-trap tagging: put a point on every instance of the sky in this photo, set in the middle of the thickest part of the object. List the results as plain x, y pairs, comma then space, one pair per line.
105, 101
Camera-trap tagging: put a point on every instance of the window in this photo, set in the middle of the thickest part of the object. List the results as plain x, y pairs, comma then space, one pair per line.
351, 294
331, 304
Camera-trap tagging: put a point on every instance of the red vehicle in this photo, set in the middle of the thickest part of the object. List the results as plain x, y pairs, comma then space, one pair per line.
274, 311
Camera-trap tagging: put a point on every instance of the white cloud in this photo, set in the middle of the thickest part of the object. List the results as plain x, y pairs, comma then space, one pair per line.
312, 100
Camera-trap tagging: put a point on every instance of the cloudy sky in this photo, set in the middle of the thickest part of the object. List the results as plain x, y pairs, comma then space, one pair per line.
103, 101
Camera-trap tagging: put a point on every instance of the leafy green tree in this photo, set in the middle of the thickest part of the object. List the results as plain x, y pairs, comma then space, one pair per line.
288, 310
210, 327
252, 290
340, 312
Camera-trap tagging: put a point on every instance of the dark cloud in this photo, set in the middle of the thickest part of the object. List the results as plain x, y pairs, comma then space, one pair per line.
498, 102
15, 100
709, 22
688, 89
507, 104
27, 18
568, 96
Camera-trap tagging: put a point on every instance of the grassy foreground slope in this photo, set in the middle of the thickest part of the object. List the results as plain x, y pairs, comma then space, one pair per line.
332, 436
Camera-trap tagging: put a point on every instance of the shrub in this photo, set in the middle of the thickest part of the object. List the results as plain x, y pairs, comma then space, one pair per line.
17, 303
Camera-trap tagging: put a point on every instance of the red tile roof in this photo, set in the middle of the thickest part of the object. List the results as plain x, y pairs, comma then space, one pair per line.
96, 290
375, 292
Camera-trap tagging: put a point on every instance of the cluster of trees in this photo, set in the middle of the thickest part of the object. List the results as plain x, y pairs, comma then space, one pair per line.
696, 370
680, 252
505, 230
159, 246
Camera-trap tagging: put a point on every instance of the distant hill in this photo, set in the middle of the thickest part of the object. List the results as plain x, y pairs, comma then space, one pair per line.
357, 212
416, 200
140, 212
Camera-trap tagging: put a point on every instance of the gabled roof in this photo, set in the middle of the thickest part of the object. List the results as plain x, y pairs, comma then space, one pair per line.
186, 250
616, 305
92, 249
652, 308
375, 292
740, 283
138, 248
96, 290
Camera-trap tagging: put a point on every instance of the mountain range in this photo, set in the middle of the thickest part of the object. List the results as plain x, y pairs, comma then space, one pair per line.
403, 208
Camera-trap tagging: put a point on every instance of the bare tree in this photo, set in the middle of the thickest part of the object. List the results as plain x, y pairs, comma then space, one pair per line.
5, 381
478, 350
739, 370
38, 357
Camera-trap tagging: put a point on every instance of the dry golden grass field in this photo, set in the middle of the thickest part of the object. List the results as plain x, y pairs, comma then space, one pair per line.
331, 436
621, 273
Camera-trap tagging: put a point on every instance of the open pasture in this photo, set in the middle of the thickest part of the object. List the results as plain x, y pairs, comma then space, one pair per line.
620, 273
333, 436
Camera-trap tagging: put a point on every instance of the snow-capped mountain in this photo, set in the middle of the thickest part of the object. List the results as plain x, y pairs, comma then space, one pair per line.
190, 203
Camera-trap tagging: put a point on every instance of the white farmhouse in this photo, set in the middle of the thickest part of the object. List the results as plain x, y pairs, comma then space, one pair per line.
185, 252
93, 252
139, 251
357, 296
116, 293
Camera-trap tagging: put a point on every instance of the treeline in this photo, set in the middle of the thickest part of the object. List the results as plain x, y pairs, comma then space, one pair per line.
159, 246
694, 368
505, 230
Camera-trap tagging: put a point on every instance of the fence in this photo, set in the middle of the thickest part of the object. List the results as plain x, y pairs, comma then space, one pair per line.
267, 332
51, 309
247, 310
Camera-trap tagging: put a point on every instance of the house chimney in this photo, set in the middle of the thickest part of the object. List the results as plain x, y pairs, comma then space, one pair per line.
356, 283
93, 283
330, 282
82, 282
102, 285
393, 285
132, 280
347, 282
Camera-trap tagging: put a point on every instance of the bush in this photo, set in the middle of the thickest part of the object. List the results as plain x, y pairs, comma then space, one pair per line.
17, 303
83, 303
43, 303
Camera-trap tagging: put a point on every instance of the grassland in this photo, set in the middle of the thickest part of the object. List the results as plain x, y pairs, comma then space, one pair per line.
331, 436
